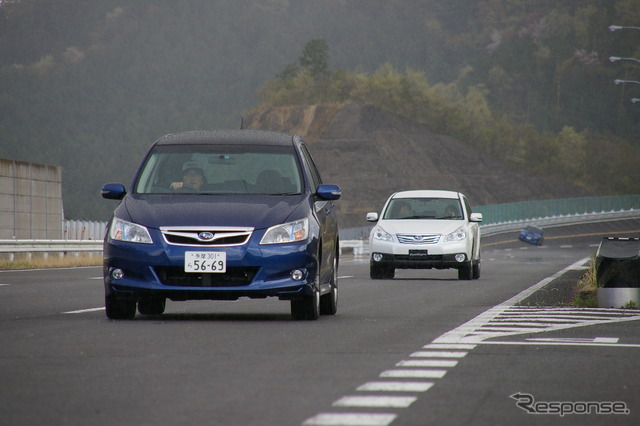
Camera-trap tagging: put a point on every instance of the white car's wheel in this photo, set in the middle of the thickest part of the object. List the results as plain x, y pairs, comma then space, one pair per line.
465, 272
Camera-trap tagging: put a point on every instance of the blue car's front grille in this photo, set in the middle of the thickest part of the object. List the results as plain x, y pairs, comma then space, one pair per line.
206, 236
235, 276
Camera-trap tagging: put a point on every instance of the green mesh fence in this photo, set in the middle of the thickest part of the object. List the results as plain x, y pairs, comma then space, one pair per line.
510, 212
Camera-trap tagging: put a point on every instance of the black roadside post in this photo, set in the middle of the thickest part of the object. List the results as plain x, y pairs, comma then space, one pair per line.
618, 273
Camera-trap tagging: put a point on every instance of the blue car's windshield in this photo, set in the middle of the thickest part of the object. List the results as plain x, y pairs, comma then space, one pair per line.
423, 208
220, 169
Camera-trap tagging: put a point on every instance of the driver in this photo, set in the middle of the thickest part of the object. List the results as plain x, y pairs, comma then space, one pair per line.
192, 178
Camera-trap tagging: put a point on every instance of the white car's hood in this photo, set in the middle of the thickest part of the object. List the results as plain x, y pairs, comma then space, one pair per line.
420, 226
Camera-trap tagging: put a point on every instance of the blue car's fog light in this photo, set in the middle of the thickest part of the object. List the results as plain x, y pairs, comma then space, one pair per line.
117, 274
460, 257
377, 257
297, 274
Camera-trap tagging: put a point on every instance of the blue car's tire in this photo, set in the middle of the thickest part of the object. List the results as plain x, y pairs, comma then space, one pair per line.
151, 305
329, 302
120, 309
306, 308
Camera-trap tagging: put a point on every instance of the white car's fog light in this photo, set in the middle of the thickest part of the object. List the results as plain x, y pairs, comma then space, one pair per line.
297, 274
377, 257
460, 257
117, 274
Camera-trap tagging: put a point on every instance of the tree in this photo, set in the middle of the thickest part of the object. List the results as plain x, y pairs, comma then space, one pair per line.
315, 58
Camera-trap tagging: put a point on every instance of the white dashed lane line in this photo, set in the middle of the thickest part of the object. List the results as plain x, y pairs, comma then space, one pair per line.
84, 311
395, 387
445, 352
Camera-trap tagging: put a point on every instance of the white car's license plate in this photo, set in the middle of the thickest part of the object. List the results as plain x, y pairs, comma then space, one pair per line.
205, 261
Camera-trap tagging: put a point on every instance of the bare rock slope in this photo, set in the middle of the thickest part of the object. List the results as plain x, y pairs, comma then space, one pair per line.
372, 153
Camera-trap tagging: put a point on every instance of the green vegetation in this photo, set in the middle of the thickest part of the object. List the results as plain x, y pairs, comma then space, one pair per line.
586, 289
599, 162
89, 85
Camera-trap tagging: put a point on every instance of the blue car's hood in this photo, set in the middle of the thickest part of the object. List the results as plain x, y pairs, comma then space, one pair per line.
258, 212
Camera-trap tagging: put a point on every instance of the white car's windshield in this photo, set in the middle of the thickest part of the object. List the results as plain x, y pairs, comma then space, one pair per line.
220, 170
423, 208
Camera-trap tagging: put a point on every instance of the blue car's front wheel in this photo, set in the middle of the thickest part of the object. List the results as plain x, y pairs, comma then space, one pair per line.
120, 308
308, 307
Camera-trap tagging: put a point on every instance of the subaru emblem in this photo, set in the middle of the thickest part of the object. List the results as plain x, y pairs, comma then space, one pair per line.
206, 236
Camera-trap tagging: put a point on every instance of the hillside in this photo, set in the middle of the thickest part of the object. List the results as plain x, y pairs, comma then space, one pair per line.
371, 153
90, 85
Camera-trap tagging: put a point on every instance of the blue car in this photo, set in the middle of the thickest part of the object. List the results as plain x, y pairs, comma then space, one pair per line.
532, 235
219, 215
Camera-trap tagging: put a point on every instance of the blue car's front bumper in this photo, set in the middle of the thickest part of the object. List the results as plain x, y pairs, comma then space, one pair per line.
253, 270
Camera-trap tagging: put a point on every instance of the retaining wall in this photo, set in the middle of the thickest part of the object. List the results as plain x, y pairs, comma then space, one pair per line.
30, 200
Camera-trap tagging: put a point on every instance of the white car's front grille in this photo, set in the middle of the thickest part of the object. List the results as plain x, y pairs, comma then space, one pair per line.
418, 238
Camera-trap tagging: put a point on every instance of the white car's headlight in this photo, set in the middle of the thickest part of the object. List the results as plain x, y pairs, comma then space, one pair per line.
287, 232
382, 235
457, 235
121, 230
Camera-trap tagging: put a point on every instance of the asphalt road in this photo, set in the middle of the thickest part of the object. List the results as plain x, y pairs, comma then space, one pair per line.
422, 349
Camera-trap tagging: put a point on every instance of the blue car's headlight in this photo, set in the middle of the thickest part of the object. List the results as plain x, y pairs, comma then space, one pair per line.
121, 230
287, 232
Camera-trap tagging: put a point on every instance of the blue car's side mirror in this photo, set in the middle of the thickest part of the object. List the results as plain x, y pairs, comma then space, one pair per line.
329, 192
113, 191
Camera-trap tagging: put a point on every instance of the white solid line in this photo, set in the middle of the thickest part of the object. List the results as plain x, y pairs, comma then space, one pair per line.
375, 401
84, 311
350, 419
416, 374
395, 386
594, 344
436, 354
576, 339
438, 363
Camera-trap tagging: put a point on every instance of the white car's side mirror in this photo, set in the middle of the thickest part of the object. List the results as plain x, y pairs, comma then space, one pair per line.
476, 217
372, 217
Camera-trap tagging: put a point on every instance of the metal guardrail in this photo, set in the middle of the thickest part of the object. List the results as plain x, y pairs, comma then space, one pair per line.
565, 207
60, 247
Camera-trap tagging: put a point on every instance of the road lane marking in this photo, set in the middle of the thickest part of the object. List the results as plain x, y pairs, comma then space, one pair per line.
414, 373
435, 354
449, 346
351, 419
577, 339
430, 363
446, 351
84, 311
375, 401
395, 387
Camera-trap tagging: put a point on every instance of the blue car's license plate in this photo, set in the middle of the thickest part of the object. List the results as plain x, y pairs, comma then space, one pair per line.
205, 261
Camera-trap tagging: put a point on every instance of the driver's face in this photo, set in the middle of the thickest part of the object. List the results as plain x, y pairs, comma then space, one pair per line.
192, 178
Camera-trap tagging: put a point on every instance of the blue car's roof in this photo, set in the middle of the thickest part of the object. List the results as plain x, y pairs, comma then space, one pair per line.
226, 137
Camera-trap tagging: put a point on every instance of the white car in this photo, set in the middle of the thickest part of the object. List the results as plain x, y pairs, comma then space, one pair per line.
424, 230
